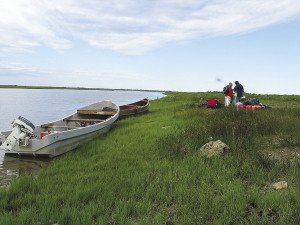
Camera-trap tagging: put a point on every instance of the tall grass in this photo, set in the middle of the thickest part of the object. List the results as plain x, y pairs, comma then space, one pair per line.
148, 170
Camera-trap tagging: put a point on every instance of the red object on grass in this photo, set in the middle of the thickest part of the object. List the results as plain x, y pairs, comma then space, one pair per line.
212, 102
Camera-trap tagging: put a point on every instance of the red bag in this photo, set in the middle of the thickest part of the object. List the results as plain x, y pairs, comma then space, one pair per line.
213, 103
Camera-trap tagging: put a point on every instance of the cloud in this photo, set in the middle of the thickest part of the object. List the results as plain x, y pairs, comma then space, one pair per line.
23, 70
130, 26
23, 74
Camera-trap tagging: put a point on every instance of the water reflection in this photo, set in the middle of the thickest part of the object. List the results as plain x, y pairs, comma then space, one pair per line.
11, 167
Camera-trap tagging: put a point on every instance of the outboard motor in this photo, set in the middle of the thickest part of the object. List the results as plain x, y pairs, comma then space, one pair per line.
22, 130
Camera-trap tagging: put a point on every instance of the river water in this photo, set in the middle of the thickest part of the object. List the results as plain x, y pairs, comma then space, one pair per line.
41, 106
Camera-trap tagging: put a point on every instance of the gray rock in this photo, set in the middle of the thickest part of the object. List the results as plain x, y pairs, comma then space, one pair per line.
214, 148
280, 185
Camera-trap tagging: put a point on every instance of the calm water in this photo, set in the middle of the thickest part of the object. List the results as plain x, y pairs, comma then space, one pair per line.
41, 106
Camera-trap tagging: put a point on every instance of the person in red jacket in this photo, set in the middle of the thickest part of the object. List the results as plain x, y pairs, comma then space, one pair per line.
228, 95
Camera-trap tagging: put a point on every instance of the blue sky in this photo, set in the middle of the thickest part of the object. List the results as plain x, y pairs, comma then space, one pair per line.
164, 45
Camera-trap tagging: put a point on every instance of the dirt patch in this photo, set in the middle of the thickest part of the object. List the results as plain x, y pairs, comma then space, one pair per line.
289, 155
252, 210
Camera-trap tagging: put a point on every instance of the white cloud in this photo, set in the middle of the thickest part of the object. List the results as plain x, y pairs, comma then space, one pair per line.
130, 26
25, 71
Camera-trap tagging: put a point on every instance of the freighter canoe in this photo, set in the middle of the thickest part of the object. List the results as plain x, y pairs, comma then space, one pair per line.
58, 137
135, 108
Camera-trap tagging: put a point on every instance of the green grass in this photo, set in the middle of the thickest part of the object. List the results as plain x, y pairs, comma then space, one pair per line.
148, 170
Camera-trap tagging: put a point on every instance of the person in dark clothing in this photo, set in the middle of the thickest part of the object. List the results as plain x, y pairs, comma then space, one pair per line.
239, 92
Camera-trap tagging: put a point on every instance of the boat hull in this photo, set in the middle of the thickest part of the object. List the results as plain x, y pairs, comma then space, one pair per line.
60, 147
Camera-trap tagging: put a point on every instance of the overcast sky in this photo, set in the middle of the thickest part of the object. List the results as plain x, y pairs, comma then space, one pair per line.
181, 45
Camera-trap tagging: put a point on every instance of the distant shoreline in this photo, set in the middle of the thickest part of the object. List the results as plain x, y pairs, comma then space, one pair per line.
74, 88
120, 89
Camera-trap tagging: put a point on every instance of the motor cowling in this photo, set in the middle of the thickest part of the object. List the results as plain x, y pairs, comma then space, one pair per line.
21, 132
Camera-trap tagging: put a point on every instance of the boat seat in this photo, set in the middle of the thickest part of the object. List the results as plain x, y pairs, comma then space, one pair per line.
131, 106
52, 126
96, 112
83, 120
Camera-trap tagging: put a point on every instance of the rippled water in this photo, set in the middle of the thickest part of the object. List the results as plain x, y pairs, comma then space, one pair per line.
11, 168
41, 106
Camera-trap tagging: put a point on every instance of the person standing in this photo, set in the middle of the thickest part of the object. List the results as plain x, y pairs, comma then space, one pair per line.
228, 94
239, 91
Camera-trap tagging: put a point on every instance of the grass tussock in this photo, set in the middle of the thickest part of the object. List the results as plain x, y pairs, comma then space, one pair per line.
148, 170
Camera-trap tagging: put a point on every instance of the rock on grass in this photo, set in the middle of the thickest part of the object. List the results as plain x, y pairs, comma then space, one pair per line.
214, 148
280, 185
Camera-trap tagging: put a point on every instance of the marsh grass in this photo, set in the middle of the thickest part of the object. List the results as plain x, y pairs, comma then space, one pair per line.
148, 170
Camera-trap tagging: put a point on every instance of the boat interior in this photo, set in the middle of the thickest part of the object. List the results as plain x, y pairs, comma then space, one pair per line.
135, 105
84, 117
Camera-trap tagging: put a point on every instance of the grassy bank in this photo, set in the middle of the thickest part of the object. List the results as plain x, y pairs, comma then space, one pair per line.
148, 170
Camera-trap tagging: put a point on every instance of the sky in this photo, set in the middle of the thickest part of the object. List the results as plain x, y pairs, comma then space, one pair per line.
179, 45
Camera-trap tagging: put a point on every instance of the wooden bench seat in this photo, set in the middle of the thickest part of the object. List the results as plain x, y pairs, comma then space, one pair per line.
83, 120
52, 126
132, 106
96, 112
